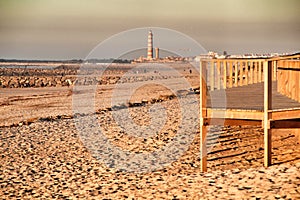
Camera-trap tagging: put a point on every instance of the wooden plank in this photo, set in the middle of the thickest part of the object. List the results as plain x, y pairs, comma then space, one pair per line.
231, 122
286, 114
286, 124
236, 74
297, 80
293, 83
242, 73
251, 73
233, 59
224, 74
267, 113
281, 84
252, 59
203, 115
235, 114
290, 81
292, 65
260, 72
285, 84
218, 77
279, 80
246, 73
286, 57
212, 76
230, 75
255, 72
275, 70
287, 91
290, 57
279, 63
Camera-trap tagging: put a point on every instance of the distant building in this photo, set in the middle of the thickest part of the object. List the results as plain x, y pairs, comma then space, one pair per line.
150, 46
150, 54
156, 53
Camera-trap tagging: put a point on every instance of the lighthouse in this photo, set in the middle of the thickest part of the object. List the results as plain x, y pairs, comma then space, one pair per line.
150, 46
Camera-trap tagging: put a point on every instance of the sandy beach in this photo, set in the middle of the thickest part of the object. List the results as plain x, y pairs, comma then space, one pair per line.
45, 155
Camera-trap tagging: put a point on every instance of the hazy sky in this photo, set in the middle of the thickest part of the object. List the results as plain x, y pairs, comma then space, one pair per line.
66, 29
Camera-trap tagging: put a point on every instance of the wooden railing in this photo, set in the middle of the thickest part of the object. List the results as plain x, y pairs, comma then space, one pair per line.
228, 73
288, 78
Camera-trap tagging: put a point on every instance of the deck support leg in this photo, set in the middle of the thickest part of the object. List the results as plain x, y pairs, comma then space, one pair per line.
203, 149
267, 113
203, 131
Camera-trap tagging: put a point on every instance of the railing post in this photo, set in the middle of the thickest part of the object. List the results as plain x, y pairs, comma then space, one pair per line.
290, 81
286, 80
224, 74
236, 74
203, 115
218, 75
230, 75
251, 72
260, 71
212, 75
274, 70
297, 80
255, 72
246, 73
267, 112
284, 83
242, 73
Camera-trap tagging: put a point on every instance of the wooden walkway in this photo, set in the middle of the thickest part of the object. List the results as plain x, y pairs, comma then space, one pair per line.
262, 92
250, 97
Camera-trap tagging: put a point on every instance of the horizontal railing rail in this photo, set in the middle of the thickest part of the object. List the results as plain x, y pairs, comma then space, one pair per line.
288, 81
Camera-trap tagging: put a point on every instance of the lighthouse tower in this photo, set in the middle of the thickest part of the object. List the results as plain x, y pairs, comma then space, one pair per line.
150, 46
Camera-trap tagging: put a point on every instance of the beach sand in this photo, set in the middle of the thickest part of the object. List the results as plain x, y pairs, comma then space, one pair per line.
43, 154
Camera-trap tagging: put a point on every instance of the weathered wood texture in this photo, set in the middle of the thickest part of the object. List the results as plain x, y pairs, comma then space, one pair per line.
249, 97
249, 90
203, 114
267, 113
289, 78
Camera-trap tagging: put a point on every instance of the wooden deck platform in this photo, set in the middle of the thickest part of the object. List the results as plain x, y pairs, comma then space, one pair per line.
251, 97
262, 92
